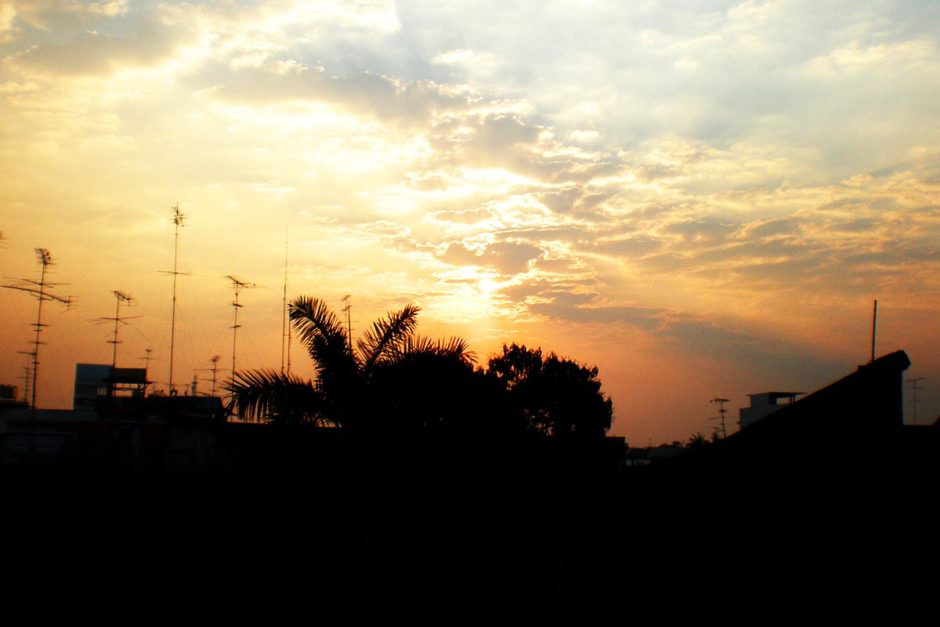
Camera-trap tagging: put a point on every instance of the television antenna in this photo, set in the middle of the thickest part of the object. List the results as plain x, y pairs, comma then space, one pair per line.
39, 291
119, 297
177, 219
913, 383
214, 369
347, 309
237, 285
722, 412
285, 322
148, 357
27, 373
214, 360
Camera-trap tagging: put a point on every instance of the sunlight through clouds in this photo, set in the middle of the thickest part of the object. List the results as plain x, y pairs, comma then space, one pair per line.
729, 183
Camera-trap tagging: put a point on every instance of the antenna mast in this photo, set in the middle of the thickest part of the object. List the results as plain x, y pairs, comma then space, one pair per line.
238, 285
347, 309
39, 292
147, 359
285, 324
27, 373
178, 218
721, 414
913, 383
120, 297
215, 370
874, 329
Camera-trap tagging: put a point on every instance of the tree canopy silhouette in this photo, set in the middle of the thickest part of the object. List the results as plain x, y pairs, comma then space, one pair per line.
556, 396
348, 379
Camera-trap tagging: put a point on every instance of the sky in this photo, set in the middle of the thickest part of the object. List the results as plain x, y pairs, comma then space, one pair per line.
703, 199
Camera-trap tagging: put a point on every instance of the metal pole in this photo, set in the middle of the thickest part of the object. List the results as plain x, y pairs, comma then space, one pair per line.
178, 221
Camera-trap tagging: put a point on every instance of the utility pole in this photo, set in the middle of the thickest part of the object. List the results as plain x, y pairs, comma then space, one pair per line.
237, 285
874, 329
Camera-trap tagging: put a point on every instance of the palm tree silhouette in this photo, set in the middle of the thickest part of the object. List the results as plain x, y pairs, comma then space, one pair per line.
339, 395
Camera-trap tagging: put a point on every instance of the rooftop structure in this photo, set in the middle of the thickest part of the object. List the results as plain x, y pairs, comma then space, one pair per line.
96, 381
764, 404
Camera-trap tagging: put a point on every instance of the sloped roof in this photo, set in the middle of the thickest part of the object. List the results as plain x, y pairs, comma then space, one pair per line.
865, 405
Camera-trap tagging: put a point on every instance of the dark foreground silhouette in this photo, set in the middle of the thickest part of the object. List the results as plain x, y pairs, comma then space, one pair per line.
831, 490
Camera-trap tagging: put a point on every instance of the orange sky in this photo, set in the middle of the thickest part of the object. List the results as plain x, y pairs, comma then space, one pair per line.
702, 199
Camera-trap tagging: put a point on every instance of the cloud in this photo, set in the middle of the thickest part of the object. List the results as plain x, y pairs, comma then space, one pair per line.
69, 39
96, 53
506, 257
359, 92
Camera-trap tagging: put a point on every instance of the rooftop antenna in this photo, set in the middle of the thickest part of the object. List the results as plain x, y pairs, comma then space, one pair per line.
238, 285
38, 289
721, 414
178, 218
913, 383
214, 360
147, 358
27, 374
874, 329
285, 324
347, 309
120, 297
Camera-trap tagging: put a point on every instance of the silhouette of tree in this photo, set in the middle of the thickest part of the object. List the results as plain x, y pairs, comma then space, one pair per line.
428, 390
276, 397
556, 396
346, 377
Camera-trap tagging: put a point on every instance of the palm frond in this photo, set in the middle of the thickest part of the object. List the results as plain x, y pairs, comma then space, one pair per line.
387, 335
453, 347
272, 396
322, 333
